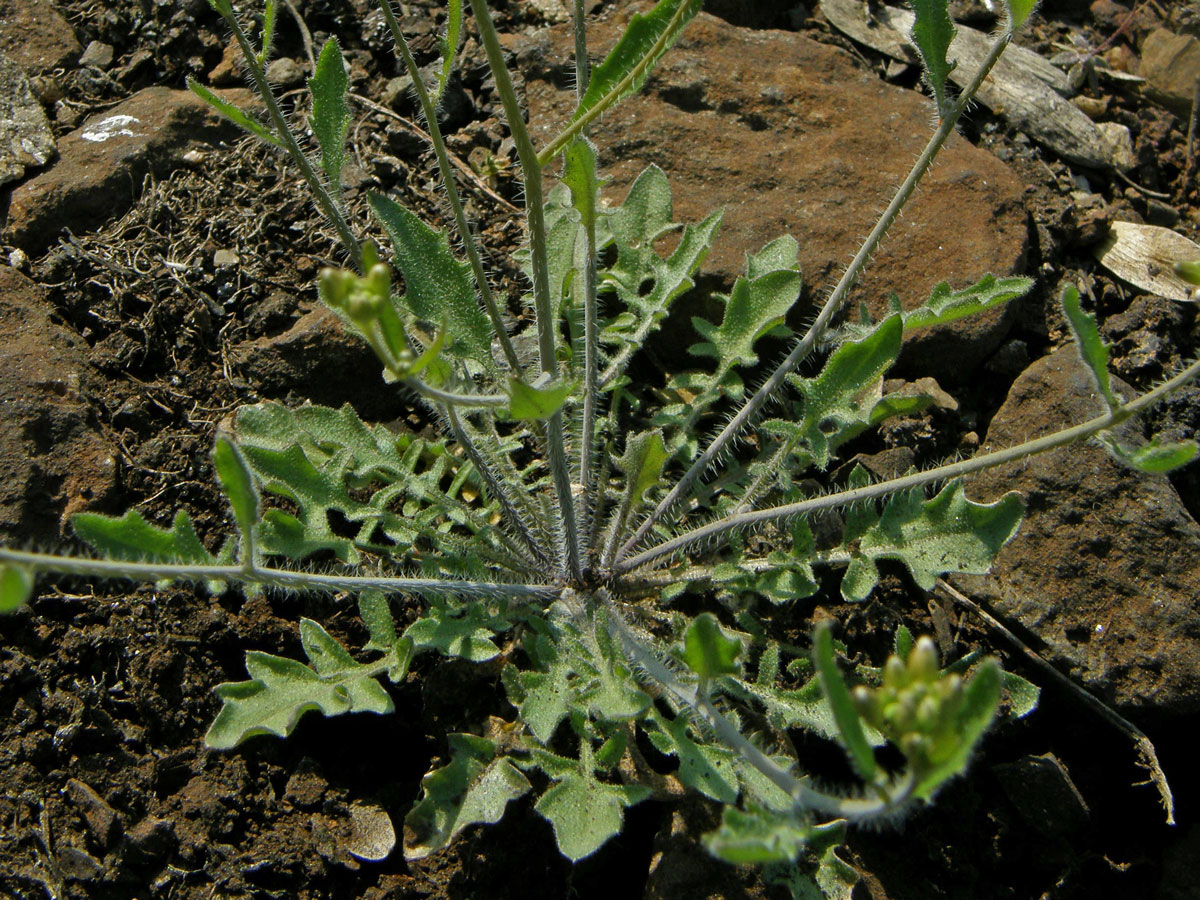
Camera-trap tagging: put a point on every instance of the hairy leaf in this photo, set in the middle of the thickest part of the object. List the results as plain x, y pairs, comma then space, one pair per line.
1020, 10
235, 115
756, 836
527, 403
465, 631
475, 787
438, 288
628, 64
1155, 457
282, 690
1088, 342
932, 32
238, 483
704, 767
585, 812
133, 538
947, 533
330, 119
707, 650
448, 46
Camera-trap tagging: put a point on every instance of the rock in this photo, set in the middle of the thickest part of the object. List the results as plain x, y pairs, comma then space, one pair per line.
1170, 64
101, 164
813, 145
36, 37
97, 55
317, 360
53, 460
1045, 796
26, 141
1103, 569
285, 72
101, 819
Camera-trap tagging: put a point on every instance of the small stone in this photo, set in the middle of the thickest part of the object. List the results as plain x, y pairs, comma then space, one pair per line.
1118, 144
98, 55
397, 93
225, 259
1159, 213
285, 72
373, 837
1171, 66
1092, 107
152, 839
47, 89
229, 70
101, 819
1045, 796
77, 865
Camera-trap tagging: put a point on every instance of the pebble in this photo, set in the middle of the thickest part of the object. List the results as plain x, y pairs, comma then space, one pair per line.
285, 72
98, 55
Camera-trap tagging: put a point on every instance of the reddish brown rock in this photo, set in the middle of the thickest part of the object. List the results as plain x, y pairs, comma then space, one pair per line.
35, 36
795, 136
53, 460
1104, 569
103, 162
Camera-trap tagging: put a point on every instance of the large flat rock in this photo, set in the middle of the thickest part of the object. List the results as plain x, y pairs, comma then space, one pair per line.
1106, 567
791, 135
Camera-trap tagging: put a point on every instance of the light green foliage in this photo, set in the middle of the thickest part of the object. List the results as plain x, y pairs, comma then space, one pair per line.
1020, 10
330, 119
474, 788
1188, 270
281, 690
570, 502
947, 533
16, 586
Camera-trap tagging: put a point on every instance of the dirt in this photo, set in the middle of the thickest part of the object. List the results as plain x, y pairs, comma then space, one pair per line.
137, 336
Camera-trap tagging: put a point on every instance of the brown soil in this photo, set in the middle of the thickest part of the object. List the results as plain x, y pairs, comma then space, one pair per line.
106, 790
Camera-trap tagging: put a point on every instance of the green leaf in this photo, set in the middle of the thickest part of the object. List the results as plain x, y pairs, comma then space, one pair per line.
948, 533
270, 12
235, 115
1019, 11
223, 7
646, 284
465, 632
1189, 271
233, 471
448, 46
1021, 694
282, 690
438, 287
16, 586
838, 405
330, 119
475, 787
527, 403
1092, 349
579, 175
585, 812
628, 64
945, 305
1155, 457
134, 539
707, 650
932, 32
703, 767
850, 726
757, 836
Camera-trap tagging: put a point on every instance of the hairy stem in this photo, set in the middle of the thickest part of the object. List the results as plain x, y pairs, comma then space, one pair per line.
271, 577
325, 200
832, 306
535, 215
745, 520
447, 171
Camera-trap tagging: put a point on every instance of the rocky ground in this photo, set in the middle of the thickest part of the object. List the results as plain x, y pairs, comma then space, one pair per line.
157, 272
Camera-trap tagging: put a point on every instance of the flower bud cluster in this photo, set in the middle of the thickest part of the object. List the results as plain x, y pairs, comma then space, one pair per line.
916, 707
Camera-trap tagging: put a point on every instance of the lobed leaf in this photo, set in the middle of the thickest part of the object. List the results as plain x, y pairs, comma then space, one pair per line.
585, 812
707, 650
282, 690
527, 403
947, 533
475, 787
448, 45
756, 836
465, 631
703, 767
